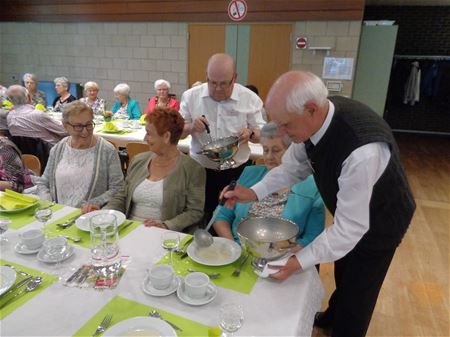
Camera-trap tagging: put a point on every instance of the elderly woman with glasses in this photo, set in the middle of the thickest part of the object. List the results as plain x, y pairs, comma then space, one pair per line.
125, 106
91, 98
37, 96
62, 86
300, 203
162, 98
83, 170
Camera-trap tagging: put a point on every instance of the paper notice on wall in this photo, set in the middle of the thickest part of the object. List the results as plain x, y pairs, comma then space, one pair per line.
337, 68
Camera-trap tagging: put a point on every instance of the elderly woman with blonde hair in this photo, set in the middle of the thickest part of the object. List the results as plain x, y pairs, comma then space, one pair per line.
37, 96
91, 98
125, 106
83, 170
162, 98
62, 86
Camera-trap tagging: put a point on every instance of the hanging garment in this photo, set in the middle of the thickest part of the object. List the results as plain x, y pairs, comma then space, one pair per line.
412, 86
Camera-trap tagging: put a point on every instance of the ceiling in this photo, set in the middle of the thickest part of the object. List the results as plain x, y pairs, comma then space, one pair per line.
407, 2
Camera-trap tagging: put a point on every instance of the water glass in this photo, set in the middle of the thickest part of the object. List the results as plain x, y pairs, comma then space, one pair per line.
104, 239
4, 225
170, 241
43, 215
231, 318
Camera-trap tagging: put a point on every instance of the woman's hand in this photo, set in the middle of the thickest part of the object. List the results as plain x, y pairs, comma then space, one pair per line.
154, 223
89, 208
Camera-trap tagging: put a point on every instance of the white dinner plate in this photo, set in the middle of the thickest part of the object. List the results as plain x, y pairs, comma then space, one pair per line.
83, 221
141, 326
7, 278
211, 294
18, 210
222, 252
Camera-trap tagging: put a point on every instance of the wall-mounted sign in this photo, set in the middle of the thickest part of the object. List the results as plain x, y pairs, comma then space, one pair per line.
301, 42
337, 68
237, 10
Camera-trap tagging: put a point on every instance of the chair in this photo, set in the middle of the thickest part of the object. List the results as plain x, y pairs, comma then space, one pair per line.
135, 148
259, 161
32, 163
34, 146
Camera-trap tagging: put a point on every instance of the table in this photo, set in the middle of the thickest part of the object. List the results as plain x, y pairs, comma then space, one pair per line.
271, 309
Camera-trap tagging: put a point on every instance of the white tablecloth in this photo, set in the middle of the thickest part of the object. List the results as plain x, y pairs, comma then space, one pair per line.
271, 309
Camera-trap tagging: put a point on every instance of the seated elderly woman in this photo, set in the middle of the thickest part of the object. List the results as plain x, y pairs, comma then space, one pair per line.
37, 96
163, 187
13, 174
83, 169
124, 105
62, 86
162, 98
91, 98
301, 203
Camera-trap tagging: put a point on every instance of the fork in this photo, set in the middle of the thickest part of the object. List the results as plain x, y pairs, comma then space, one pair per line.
237, 271
103, 325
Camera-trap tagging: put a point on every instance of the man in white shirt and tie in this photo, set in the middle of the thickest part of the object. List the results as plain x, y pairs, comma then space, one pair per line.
355, 161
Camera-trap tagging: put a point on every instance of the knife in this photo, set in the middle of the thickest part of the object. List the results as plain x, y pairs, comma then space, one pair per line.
17, 286
128, 224
222, 201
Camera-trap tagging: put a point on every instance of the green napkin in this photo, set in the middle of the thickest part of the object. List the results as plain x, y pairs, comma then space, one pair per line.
47, 280
21, 219
243, 283
11, 200
53, 230
122, 309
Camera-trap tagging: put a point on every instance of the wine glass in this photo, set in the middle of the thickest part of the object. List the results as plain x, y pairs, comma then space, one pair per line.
170, 241
4, 225
231, 318
43, 215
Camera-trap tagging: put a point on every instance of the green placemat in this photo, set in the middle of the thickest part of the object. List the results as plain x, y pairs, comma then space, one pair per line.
18, 220
243, 283
52, 230
122, 309
47, 280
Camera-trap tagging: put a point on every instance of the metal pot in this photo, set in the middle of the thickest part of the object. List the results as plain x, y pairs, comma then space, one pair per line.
267, 238
221, 150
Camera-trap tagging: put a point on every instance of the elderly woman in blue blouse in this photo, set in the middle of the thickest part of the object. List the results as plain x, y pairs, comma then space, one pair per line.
125, 107
301, 203
83, 170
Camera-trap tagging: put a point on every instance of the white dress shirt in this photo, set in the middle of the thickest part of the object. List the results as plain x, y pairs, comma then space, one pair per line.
226, 118
360, 171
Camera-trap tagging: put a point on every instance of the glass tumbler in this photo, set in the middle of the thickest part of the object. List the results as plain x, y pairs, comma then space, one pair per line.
104, 238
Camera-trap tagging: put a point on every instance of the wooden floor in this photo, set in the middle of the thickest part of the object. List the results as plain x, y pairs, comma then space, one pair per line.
414, 300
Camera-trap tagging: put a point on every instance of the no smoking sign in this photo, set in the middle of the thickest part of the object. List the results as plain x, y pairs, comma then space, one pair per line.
237, 10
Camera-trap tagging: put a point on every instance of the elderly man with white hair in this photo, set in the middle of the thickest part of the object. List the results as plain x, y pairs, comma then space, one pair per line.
62, 86
91, 98
162, 98
37, 96
26, 121
125, 107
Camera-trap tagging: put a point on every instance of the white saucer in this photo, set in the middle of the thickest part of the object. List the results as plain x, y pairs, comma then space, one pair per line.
22, 249
43, 257
211, 294
150, 290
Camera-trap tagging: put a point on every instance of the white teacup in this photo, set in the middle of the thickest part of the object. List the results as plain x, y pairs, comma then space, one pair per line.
196, 285
55, 247
135, 124
32, 238
161, 276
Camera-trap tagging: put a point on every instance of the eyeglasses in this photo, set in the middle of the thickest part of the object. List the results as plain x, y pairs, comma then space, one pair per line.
79, 127
221, 84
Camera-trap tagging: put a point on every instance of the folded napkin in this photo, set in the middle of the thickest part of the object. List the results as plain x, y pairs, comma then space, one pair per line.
11, 200
110, 126
268, 271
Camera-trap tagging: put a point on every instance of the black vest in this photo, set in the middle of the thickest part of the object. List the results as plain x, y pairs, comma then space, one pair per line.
392, 205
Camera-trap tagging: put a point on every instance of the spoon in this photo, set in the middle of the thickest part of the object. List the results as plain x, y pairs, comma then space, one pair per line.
212, 275
17, 271
156, 314
32, 285
69, 222
72, 239
202, 238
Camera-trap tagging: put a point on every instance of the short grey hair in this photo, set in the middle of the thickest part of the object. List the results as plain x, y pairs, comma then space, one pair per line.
162, 82
270, 131
30, 76
122, 89
63, 81
17, 94
91, 85
311, 88
74, 109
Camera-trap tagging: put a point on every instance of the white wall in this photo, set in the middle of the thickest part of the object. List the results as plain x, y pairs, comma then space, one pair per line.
108, 53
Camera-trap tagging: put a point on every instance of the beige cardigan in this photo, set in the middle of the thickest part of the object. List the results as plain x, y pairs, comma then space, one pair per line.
183, 191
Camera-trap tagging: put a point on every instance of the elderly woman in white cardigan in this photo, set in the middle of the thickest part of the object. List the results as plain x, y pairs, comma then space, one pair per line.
83, 170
